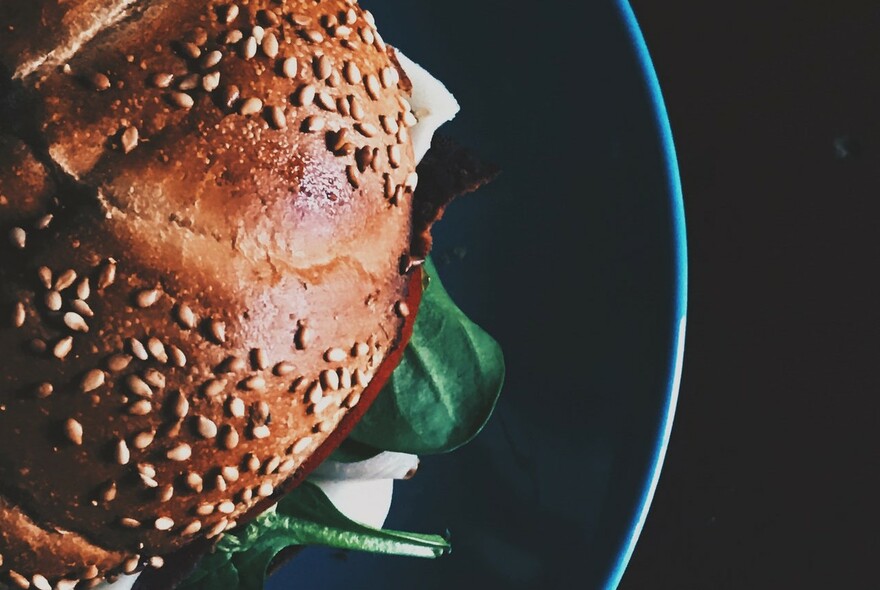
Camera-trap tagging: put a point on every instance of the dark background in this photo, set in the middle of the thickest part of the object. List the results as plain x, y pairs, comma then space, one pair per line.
770, 479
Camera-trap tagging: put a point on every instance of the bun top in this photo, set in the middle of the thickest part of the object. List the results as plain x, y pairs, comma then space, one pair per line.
207, 205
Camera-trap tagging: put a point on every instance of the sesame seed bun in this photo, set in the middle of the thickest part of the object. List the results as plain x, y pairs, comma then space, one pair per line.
205, 208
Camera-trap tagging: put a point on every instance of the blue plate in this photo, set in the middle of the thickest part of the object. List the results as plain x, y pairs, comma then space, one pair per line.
575, 261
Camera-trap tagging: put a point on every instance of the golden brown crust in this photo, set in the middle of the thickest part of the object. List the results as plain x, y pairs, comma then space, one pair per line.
237, 274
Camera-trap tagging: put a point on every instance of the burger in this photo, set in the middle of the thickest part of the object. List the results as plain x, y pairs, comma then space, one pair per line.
218, 224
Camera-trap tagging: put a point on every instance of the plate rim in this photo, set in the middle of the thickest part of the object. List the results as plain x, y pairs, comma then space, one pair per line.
679, 314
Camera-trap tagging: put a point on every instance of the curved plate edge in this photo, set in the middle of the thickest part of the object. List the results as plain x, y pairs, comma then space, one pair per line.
680, 313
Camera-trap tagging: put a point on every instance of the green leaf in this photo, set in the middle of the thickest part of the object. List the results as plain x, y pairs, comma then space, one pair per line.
304, 517
351, 451
445, 388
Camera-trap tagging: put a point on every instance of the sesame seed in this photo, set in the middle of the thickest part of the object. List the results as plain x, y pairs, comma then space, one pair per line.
269, 45
181, 100
192, 528
301, 445
163, 523
190, 82
44, 221
205, 509
148, 480
157, 349
271, 465
213, 387
277, 118
140, 408
305, 95
389, 124
63, 347
181, 452
108, 492
323, 404
287, 466
176, 356
410, 119
53, 301
220, 483
283, 369
335, 355
210, 82
325, 101
217, 329
18, 579
330, 380
373, 86
216, 529
236, 407
74, 431
265, 490
165, 493
185, 316
190, 50
357, 110
143, 439
258, 32
148, 297
18, 237
249, 48
352, 400
367, 129
123, 455
313, 36
226, 507
230, 437
402, 309
353, 177
157, 562
350, 16
18, 315
40, 582
90, 573
260, 432
230, 13
360, 378
363, 157
344, 378
251, 462
137, 386
323, 426
130, 139
92, 380
43, 390
195, 483
315, 392
246, 495
229, 473
180, 406
206, 427
154, 378
131, 564
83, 289
65, 280
45, 276
146, 469
107, 275
82, 308
232, 37
250, 106
290, 67
137, 349
211, 59
230, 95
360, 349
367, 35
390, 77
341, 31
66, 584
255, 383
162, 80
313, 124
322, 67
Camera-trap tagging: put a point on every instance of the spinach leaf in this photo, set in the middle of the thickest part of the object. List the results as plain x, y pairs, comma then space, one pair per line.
351, 451
445, 388
304, 517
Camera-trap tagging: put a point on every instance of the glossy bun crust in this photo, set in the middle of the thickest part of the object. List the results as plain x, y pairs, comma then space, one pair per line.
204, 208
